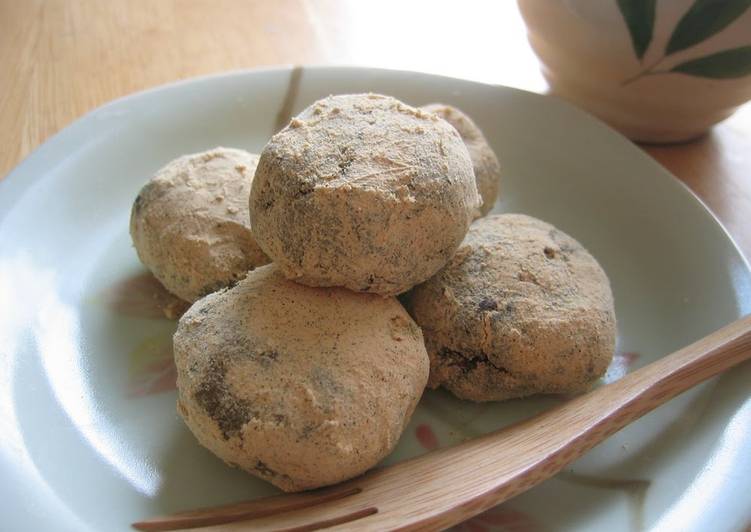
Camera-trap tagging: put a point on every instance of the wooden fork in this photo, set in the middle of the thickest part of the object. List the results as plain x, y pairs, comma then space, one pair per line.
447, 486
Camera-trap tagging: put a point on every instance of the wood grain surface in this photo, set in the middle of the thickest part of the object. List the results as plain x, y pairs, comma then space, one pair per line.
62, 58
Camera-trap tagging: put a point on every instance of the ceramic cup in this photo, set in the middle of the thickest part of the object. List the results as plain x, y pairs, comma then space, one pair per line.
657, 71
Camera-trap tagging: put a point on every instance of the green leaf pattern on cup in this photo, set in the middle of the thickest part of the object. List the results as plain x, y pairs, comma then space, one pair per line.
733, 63
640, 19
703, 19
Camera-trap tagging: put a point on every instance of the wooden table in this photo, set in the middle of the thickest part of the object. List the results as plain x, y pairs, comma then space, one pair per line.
61, 58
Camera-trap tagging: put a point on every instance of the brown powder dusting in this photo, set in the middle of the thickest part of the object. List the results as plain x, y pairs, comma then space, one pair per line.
214, 396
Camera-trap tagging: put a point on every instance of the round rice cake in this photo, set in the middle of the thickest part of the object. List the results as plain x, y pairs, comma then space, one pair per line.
190, 223
521, 308
363, 191
300, 386
484, 161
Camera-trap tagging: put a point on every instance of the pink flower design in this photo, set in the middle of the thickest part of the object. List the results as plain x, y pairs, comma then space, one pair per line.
142, 296
500, 519
426, 437
152, 368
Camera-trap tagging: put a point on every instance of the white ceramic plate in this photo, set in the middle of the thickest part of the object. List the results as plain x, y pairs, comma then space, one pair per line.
89, 437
